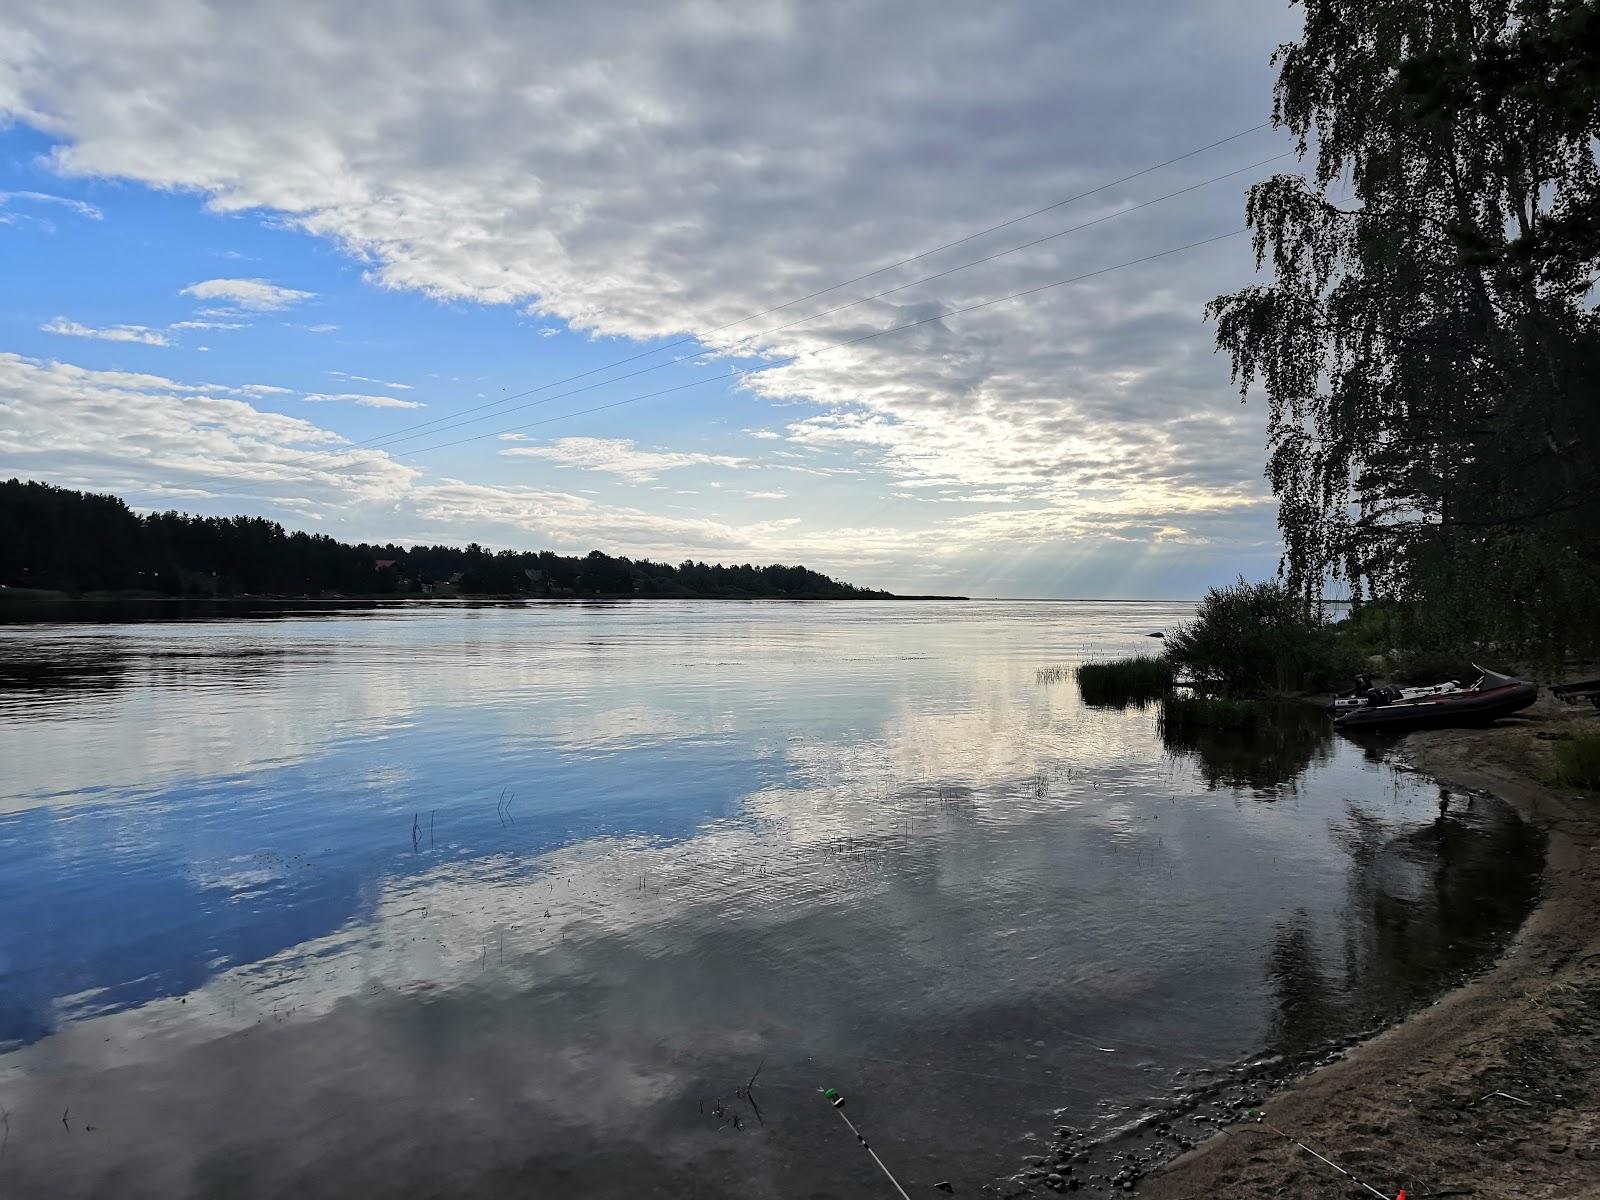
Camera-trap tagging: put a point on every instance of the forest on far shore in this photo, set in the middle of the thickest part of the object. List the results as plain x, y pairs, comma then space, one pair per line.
59, 540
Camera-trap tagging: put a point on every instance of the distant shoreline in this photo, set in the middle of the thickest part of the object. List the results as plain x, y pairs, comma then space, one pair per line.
20, 598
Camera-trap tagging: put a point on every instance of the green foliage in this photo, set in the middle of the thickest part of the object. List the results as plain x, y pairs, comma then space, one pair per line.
1415, 645
1429, 347
1578, 761
1121, 682
1252, 638
1429, 667
76, 542
56, 539
1181, 714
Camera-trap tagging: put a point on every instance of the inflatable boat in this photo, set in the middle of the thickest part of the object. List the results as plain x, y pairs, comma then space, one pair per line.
1349, 701
1493, 695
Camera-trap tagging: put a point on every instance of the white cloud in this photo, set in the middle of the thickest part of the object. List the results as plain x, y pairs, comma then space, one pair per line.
80, 207
143, 435
207, 325
636, 169
403, 387
256, 295
140, 334
132, 433
619, 456
365, 401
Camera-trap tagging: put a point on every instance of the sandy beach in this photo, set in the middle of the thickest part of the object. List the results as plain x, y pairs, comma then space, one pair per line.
1490, 1092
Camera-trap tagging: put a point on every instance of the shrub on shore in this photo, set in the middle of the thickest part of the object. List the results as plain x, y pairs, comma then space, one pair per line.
1121, 682
1256, 638
1578, 761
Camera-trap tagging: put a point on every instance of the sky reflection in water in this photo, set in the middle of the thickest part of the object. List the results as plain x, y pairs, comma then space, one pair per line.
498, 888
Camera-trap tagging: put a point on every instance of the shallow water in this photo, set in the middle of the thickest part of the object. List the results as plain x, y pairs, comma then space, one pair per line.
471, 900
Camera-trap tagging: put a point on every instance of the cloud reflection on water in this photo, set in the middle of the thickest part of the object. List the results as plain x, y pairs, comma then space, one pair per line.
929, 877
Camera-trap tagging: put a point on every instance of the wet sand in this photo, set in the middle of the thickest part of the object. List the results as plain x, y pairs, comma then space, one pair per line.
1494, 1091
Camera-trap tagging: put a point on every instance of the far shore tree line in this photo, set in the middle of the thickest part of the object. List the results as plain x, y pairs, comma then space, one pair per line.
54, 539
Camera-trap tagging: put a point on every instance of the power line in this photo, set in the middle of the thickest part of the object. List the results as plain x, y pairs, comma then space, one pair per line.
391, 440
694, 338
793, 358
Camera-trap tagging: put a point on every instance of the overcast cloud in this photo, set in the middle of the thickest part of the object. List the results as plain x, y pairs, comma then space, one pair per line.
668, 168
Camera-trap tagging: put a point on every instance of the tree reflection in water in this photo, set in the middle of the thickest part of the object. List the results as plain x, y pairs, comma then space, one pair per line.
1425, 905
1265, 757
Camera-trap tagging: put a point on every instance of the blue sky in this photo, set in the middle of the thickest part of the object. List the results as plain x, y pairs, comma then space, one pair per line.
248, 253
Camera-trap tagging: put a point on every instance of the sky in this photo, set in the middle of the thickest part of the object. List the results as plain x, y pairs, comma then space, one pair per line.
567, 277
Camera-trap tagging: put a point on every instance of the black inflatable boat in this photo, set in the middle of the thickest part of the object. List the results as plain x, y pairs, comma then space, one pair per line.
1493, 695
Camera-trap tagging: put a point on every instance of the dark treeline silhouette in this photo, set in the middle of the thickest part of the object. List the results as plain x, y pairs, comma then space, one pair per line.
56, 539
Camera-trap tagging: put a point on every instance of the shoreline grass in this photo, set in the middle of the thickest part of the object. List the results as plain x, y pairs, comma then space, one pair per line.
1578, 761
1121, 682
1181, 713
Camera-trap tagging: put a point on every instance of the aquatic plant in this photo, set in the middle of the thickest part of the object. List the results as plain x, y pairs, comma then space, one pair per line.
1180, 713
1121, 682
1578, 761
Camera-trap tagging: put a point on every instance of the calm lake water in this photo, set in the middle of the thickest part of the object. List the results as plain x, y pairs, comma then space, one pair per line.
514, 900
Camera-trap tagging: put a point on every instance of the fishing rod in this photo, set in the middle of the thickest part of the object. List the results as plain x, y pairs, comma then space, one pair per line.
1296, 1141
832, 1096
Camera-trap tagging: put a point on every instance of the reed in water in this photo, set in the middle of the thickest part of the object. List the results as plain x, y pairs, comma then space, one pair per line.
1120, 682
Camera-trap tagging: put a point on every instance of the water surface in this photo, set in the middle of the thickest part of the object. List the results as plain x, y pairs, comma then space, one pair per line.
482, 900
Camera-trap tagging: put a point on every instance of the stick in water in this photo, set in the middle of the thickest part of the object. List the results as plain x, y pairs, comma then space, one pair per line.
832, 1096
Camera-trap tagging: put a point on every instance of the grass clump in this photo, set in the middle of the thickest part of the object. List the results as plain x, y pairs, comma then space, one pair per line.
1578, 761
1121, 682
1180, 714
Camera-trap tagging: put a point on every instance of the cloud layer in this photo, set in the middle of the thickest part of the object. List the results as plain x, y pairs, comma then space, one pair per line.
206, 447
655, 169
